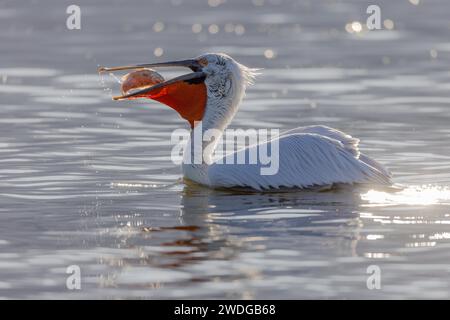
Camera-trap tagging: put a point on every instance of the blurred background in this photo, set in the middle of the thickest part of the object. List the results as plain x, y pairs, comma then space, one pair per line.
86, 181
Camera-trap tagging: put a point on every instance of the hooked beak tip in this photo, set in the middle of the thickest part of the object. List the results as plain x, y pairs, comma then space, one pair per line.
101, 69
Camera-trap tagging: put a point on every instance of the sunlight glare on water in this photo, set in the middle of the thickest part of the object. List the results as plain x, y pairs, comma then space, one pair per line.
411, 195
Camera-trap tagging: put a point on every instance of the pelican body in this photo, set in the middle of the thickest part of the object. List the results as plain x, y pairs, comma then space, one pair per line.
313, 156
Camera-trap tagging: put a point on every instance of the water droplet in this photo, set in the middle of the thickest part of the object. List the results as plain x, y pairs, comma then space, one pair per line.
269, 54
215, 3
239, 29
158, 26
197, 28
433, 53
213, 29
158, 52
388, 24
356, 26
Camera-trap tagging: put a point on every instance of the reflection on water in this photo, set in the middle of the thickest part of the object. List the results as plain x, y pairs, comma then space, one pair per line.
89, 182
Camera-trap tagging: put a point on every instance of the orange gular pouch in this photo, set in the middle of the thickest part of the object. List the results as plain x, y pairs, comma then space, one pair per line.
187, 97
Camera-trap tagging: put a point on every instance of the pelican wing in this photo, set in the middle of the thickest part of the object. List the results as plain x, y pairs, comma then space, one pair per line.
304, 160
350, 143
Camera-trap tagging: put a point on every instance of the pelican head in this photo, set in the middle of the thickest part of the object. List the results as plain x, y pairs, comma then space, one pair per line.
210, 92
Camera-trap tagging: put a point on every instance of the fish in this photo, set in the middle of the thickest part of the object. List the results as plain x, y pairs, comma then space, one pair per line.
140, 79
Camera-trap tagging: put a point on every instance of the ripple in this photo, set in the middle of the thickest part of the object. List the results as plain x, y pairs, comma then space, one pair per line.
272, 214
68, 100
135, 276
28, 72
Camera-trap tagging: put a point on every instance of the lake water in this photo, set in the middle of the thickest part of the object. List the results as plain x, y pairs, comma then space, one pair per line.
89, 182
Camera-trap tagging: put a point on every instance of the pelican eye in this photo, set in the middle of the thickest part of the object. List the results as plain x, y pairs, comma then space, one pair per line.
203, 62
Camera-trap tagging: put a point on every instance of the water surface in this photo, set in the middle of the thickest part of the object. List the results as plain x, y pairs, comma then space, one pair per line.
87, 181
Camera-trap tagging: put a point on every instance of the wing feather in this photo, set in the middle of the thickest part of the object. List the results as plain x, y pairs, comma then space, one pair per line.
305, 160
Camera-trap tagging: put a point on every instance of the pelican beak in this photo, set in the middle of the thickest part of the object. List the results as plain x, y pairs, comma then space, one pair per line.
190, 63
186, 94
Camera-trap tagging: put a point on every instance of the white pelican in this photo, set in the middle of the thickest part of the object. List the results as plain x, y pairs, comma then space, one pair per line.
313, 156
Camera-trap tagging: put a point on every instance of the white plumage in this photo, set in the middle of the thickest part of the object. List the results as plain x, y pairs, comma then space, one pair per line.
305, 160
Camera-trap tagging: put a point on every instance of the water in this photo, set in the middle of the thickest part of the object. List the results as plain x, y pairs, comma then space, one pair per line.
87, 181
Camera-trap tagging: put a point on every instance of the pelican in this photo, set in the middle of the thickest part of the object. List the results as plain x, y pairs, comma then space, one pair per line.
309, 157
